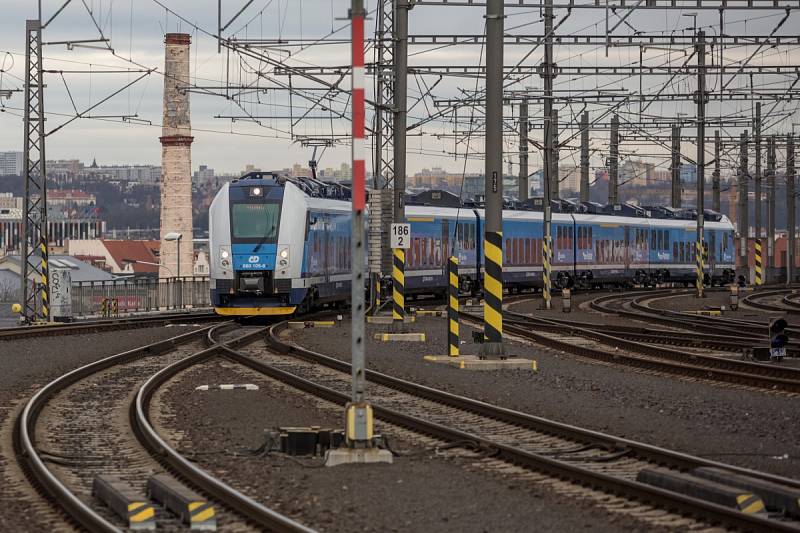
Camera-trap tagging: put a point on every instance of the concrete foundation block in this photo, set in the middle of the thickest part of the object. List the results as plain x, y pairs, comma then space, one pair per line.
312, 324
738, 498
473, 362
400, 337
348, 456
388, 320
428, 312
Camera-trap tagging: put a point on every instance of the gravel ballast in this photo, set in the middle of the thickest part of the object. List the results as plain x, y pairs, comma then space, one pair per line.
27, 365
752, 429
423, 491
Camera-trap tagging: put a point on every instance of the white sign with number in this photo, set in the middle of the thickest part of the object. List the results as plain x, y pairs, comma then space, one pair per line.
401, 236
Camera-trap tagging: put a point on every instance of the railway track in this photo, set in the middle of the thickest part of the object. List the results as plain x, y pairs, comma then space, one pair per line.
89, 326
603, 466
786, 305
636, 307
95, 420
636, 348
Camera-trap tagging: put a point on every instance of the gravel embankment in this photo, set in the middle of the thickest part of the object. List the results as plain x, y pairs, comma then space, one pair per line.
424, 491
751, 429
27, 365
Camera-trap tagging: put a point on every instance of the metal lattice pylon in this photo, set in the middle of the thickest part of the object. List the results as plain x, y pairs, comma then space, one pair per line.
34, 281
384, 92
383, 168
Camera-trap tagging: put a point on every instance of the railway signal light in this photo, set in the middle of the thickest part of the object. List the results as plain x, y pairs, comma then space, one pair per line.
778, 339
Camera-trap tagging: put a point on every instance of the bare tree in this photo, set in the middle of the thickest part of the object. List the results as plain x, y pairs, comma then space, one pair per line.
9, 291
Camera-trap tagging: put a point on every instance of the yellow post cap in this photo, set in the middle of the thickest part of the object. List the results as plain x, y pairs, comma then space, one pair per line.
16, 308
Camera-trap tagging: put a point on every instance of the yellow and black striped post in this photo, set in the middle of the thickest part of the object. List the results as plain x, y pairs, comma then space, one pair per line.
45, 283
493, 294
453, 338
699, 266
759, 263
375, 293
398, 287
547, 288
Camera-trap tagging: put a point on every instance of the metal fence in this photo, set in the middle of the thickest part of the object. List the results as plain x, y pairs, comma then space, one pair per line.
139, 295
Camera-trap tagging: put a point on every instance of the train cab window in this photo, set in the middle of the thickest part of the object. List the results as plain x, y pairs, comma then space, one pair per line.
258, 222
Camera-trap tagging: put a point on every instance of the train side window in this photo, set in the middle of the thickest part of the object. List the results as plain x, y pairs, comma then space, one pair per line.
653, 240
508, 251
571, 237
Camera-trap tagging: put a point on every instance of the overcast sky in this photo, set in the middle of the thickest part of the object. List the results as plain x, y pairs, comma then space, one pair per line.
136, 27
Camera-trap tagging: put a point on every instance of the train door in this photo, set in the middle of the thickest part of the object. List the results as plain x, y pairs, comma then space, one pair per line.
445, 245
327, 245
626, 259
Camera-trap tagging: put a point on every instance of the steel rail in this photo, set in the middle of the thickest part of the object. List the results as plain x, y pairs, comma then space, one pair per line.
725, 325
662, 317
19, 332
149, 437
649, 335
25, 431
81, 512
769, 377
751, 300
699, 508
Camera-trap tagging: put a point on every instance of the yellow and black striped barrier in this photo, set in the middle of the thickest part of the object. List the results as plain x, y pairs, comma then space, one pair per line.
193, 509
453, 339
398, 286
759, 263
547, 288
493, 288
699, 266
121, 498
376, 287
45, 277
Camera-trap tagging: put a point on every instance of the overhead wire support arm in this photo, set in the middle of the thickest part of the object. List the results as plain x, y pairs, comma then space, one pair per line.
715, 5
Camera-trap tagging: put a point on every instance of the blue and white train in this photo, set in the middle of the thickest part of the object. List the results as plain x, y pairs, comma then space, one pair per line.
278, 246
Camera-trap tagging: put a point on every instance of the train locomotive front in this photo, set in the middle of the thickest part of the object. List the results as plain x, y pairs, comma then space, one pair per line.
256, 229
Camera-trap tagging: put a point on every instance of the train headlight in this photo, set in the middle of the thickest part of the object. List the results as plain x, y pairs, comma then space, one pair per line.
224, 256
256, 191
283, 257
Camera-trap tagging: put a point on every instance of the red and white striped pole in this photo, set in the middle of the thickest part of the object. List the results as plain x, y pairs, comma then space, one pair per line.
359, 108
359, 412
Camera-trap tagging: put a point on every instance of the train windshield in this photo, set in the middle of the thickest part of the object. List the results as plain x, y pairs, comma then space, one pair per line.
256, 222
